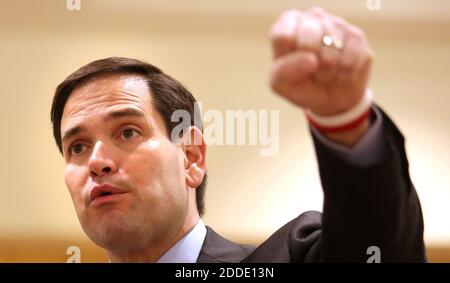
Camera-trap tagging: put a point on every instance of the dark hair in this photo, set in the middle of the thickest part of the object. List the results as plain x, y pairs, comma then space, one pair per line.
168, 95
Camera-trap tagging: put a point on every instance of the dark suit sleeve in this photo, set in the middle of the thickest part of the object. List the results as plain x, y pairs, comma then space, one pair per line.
374, 205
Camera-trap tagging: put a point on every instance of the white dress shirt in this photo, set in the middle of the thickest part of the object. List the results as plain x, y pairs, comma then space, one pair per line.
187, 249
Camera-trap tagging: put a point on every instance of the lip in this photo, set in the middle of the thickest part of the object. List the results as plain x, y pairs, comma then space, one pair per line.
105, 193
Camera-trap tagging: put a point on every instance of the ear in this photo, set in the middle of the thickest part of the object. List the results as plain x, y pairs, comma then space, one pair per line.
195, 156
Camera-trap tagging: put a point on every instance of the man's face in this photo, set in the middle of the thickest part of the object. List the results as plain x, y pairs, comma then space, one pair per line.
125, 177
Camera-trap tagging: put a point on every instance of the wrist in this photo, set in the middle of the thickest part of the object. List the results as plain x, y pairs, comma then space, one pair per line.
345, 128
351, 136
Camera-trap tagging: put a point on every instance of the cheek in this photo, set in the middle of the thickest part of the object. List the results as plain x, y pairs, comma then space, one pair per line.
157, 166
75, 180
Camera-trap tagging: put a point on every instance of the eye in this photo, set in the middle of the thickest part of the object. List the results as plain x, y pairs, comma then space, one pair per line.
129, 133
76, 149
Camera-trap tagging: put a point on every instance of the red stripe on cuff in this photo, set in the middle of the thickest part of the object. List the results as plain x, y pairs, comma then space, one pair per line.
341, 128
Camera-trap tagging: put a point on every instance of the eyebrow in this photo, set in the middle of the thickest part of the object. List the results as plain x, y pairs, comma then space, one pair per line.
72, 132
128, 112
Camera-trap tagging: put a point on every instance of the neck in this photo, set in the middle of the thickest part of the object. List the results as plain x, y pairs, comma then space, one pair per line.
154, 250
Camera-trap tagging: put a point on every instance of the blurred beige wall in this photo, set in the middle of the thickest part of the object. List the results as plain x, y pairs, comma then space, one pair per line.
220, 51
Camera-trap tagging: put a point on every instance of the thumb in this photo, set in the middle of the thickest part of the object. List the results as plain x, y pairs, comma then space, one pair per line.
292, 68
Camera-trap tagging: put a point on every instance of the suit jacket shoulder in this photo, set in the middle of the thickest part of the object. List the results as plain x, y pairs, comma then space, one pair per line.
297, 241
216, 249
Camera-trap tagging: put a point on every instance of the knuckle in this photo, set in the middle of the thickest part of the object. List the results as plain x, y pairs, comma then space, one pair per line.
370, 55
356, 31
340, 22
317, 10
273, 31
289, 13
368, 59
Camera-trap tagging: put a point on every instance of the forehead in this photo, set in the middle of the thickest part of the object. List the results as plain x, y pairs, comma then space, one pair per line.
104, 94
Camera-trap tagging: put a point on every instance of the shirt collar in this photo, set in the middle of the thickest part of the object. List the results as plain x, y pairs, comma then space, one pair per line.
187, 249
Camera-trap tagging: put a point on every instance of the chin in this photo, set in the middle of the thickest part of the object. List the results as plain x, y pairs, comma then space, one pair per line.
114, 232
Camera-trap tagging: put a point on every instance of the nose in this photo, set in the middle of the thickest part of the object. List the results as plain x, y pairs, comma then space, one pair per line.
101, 161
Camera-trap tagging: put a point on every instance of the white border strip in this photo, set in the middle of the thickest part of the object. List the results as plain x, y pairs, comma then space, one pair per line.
346, 117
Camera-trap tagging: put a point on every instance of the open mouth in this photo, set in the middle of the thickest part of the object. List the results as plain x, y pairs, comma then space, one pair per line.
104, 193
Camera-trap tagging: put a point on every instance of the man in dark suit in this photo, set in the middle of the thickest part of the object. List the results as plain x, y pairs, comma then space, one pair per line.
138, 188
